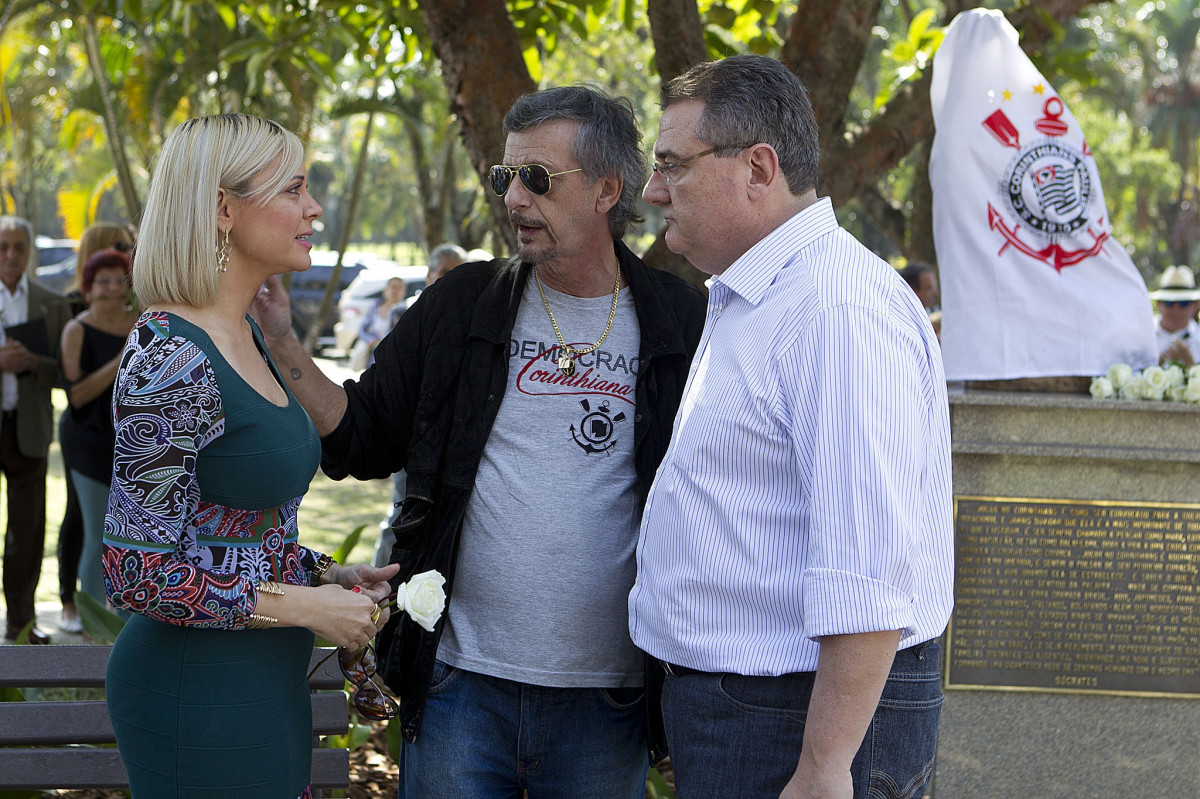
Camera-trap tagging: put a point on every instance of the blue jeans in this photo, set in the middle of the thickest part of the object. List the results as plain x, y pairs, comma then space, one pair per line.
487, 738
741, 736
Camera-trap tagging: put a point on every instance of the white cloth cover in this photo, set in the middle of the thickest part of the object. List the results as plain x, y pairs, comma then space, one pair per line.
1033, 283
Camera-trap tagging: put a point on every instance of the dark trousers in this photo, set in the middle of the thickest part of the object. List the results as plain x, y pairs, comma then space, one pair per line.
732, 735
70, 534
25, 532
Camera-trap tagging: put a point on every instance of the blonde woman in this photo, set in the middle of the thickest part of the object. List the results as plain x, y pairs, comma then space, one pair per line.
207, 684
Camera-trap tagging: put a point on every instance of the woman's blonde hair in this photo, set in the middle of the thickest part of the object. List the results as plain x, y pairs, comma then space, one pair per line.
99, 236
175, 260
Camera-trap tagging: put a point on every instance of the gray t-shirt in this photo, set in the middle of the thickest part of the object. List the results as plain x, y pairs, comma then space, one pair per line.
546, 559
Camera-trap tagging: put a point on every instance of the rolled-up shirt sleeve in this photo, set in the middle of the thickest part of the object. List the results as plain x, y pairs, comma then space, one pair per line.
853, 391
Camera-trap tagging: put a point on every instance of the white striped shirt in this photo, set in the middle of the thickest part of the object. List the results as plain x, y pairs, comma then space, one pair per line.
806, 490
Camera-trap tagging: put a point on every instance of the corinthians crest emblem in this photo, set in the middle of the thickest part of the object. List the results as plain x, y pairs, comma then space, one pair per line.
1049, 193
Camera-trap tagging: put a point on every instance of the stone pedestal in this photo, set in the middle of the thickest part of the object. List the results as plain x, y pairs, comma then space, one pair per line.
999, 741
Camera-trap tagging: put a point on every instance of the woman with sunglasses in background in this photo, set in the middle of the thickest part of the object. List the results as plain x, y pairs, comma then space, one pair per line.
207, 683
96, 237
88, 355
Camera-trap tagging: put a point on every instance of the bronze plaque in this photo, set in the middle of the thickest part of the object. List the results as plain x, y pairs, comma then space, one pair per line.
1072, 595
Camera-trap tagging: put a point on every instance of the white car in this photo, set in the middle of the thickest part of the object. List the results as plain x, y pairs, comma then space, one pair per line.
362, 293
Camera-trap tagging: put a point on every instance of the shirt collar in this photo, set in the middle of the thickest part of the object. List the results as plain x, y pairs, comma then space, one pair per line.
753, 273
22, 288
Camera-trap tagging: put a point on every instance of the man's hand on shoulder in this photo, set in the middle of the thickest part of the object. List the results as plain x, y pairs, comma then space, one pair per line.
272, 309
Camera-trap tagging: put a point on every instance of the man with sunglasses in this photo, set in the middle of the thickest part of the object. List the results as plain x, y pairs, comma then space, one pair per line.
1176, 332
530, 400
795, 565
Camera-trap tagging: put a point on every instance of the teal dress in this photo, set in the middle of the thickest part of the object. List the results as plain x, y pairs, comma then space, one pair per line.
207, 481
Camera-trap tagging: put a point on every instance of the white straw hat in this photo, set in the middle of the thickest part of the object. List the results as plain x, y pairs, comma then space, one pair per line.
1177, 283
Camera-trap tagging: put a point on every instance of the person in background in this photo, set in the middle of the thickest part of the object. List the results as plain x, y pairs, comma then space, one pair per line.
442, 259
922, 279
96, 237
207, 684
530, 400
795, 565
376, 324
1175, 327
89, 352
32, 318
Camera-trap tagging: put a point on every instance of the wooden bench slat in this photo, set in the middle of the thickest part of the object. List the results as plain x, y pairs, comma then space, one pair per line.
54, 723
82, 767
54, 666
44, 724
87, 722
69, 666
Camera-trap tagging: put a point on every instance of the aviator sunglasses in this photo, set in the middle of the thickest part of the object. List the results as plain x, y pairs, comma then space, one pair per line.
534, 177
358, 666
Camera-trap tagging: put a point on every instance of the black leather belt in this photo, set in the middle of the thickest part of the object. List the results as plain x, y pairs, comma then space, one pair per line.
678, 671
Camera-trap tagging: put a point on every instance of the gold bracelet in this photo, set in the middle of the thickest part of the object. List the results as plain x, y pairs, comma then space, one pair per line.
270, 587
261, 622
323, 564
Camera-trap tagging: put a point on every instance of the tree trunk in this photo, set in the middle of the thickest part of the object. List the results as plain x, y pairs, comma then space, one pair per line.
484, 72
825, 46
678, 35
335, 277
116, 143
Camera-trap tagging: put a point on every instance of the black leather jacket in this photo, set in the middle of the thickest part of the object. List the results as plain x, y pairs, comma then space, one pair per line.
428, 405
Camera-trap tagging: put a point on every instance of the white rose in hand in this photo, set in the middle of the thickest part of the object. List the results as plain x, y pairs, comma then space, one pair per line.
1192, 392
1175, 376
423, 598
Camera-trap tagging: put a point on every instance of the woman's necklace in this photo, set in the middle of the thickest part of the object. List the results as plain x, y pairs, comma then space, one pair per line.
566, 360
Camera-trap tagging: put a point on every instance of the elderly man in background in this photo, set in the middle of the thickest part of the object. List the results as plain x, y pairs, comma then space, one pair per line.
795, 566
32, 317
1175, 328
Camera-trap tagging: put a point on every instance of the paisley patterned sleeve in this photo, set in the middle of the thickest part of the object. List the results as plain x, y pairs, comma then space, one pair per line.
166, 409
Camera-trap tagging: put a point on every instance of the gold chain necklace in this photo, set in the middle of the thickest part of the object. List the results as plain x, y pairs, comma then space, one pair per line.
566, 360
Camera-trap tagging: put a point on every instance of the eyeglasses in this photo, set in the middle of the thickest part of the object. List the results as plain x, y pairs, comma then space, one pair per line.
358, 666
534, 177
1175, 303
668, 168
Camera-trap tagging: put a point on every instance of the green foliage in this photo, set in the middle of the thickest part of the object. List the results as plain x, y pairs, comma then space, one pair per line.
101, 624
905, 59
656, 786
343, 552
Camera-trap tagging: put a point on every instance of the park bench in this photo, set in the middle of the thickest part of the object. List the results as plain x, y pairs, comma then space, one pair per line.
51, 744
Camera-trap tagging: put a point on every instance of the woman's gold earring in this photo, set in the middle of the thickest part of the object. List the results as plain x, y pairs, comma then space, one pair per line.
223, 254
